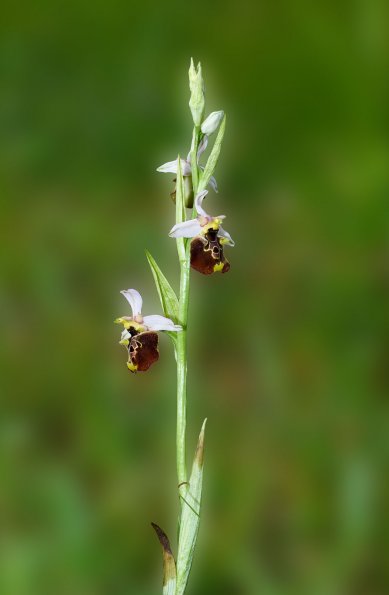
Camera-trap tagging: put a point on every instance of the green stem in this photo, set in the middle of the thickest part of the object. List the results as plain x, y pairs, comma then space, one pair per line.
193, 159
183, 248
181, 351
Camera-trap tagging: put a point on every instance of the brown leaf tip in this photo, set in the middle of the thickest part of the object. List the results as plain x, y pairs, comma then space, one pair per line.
199, 456
163, 538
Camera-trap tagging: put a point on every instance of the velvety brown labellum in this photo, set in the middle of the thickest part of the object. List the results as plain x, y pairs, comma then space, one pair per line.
143, 350
207, 255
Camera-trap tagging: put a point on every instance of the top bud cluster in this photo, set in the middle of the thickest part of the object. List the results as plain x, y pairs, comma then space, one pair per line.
207, 235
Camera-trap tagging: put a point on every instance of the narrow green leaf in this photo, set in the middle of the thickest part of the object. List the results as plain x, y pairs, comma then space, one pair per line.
213, 158
169, 565
190, 517
167, 296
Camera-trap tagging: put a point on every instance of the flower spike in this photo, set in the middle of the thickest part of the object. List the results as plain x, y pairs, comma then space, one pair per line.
203, 250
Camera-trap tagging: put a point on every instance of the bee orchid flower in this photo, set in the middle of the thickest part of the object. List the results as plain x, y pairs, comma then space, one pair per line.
140, 333
186, 169
209, 239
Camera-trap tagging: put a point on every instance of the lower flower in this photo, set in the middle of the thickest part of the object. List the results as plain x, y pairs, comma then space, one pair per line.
142, 351
139, 336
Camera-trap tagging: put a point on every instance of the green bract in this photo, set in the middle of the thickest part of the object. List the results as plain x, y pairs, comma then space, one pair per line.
167, 295
213, 158
190, 516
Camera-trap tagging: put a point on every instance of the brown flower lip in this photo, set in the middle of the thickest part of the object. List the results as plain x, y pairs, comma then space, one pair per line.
142, 351
207, 254
140, 333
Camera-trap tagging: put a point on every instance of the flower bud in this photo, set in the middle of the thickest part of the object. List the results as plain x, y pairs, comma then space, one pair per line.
188, 192
211, 123
197, 100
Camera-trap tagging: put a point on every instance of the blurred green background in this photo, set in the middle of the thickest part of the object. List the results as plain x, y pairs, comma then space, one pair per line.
288, 351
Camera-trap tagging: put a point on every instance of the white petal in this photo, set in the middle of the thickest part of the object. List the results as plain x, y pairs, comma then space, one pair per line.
213, 184
212, 181
186, 167
155, 322
134, 298
125, 338
171, 167
224, 234
187, 229
199, 201
202, 146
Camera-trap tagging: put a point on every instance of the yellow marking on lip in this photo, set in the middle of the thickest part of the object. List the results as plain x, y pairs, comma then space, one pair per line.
218, 267
215, 224
132, 367
130, 324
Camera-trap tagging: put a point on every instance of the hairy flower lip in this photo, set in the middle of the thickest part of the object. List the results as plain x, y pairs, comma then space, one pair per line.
142, 351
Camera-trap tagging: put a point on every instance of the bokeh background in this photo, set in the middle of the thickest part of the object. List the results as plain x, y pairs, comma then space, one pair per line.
288, 352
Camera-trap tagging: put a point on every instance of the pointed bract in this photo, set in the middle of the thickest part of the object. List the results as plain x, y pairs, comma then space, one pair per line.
190, 516
169, 565
213, 158
167, 295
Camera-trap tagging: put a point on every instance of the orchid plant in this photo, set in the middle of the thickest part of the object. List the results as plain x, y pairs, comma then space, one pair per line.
200, 242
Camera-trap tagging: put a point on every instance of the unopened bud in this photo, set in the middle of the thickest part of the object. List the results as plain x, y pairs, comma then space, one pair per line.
188, 192
197, 100
211, 123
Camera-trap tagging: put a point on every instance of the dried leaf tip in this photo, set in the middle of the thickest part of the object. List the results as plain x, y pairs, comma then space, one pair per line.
169, 564
199, 456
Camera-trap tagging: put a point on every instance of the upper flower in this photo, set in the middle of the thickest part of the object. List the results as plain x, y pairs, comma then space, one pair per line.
186, 168
139, 335
209, 238
202, 224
